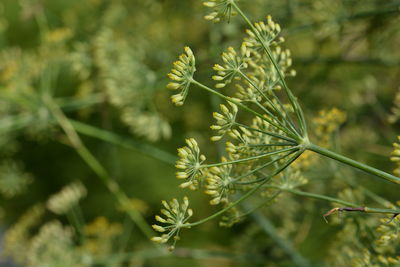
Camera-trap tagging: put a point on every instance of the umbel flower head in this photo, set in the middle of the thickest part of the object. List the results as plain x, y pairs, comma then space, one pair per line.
219, 183
69, 196
181, 76
395, 157
265, 32
222, 9
233, 64
190, 164
176, 216
225, 121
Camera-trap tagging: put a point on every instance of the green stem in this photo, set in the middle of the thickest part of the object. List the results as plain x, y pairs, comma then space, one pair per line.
95, 165
313, 195
124, 142
197, 254
76, 224
335, 200
368, 169
285, 244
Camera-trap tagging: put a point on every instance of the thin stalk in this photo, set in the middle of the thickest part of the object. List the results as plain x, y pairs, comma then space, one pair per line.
77, 225
294, 131
95, 165
293, 101
284, 110
258, 90
124, 142
358, 165
263, 204
245, 196
249, 158
244, 107
235, 181
335, 200
267, 133
285, 244
313, 195
71, 103
119, 258
25, 119
271, 145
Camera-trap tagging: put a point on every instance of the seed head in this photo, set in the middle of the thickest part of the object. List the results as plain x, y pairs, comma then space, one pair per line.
233, 65
266, 34
190, 164
182, 76
219, 183
225, 120
175, 217
221, 9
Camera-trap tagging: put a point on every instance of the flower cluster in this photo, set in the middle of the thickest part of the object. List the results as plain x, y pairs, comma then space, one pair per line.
190, 164
225, 121
64, 200
219, 183
222, 9
394, 117
182, 75
291, 179
234, 64
13, 180
265, 34
176, 217
257, 151
396, 156
327, 122
52, 246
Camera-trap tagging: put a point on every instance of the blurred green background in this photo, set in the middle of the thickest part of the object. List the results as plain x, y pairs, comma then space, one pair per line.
105, 63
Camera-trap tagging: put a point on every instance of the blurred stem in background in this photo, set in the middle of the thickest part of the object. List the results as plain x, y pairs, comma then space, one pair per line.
95, 165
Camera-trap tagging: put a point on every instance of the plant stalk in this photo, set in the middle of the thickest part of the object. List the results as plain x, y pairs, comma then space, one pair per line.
358, 165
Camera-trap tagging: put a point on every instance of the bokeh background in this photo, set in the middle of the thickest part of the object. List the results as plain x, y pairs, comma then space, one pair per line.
104, 62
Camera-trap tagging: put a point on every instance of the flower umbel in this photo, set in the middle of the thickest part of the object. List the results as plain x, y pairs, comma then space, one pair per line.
265, 32
395, 157
233, 65
69, 196
190, 163
176, 216
219, 183
222, 9
225, 121
182, 75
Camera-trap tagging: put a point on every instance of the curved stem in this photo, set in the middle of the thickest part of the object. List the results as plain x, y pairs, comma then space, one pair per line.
361, 166
95, 165
125, 142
